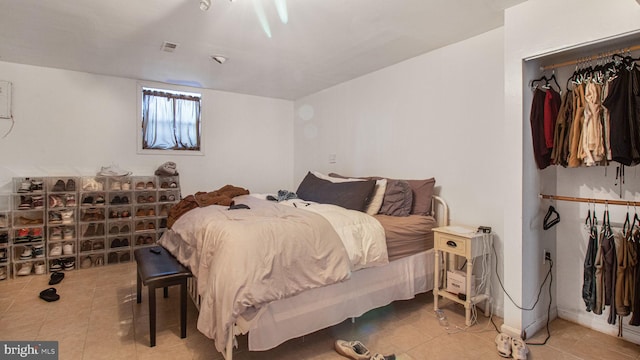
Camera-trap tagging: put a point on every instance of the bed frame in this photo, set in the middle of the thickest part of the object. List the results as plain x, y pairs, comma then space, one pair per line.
323, 307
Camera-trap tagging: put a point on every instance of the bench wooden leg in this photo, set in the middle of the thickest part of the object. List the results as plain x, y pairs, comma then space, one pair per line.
183, 309
152, 316
138, 288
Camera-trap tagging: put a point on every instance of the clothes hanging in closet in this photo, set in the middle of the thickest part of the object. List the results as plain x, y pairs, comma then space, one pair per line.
597, 121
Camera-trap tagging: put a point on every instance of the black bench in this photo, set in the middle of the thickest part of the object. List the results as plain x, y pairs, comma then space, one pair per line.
158, 268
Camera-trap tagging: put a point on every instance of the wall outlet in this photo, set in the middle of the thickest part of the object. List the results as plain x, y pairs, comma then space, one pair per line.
546, 255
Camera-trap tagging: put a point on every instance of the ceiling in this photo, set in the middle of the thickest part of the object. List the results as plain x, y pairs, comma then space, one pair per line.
319, 44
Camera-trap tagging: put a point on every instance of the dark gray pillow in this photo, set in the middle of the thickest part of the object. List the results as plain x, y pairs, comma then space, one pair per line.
350, 195
398, 198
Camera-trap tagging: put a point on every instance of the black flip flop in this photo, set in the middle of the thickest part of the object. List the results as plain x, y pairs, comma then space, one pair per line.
49, 295
56, 277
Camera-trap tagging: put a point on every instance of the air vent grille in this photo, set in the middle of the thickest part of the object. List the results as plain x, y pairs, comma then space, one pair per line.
169, 46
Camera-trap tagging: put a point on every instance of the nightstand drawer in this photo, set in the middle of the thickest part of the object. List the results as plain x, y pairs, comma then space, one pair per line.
452, 244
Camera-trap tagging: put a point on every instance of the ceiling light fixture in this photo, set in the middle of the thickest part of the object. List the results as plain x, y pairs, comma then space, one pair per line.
205, 5
219, 59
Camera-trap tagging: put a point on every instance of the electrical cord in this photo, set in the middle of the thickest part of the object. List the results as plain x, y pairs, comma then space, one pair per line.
549, 275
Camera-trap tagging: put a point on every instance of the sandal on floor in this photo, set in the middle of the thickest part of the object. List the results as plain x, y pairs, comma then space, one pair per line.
503, 343
49, 295
519, 349
56, 277
383, 357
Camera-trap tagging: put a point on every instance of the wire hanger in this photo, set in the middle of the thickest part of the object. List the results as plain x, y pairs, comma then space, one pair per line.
551, 218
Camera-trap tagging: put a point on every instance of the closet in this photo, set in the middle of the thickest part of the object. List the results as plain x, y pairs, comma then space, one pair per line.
585, 171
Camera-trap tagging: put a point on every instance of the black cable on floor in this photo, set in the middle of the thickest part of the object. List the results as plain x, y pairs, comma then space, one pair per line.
549, 275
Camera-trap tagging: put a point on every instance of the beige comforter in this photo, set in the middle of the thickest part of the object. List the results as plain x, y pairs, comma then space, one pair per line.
245, 258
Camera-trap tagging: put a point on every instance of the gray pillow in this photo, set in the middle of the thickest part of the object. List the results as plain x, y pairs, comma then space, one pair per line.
350, 195
398, 198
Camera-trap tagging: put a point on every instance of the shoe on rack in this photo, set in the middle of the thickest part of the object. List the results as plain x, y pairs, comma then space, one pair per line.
114, 230
36, 185
116, 185
55, 217
124, 229
37, 202
70, 200
352, 349
49, 295
54, 265
100, 200
88, 200
67, 249
503, 343
3, 273
38, 251
67, 233
100, 229
67, 216
40, 268
112, 258
3, 255
98, 245
56, 277
69, 264
85, 246
55, 250
26, 203
55, 234
116, 243
25, 187
85, 263
25, 269
98, 260
116, 200
519, 349
71, 185
55, 201
90, 231
35, 234
27, 253
125, 257
59, 186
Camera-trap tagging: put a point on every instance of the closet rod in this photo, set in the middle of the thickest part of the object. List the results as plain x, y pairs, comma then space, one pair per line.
592, 201
590, 58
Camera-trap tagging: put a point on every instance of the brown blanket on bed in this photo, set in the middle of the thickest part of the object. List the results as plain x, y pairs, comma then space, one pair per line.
223, 196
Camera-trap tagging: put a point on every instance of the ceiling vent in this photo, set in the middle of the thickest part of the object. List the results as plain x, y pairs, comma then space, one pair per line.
169, 46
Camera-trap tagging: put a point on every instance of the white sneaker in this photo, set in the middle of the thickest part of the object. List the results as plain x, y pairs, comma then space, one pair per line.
40, 269
25, 269
27, 254
503, 343
352, 349
67, 249
519, 349
56, 250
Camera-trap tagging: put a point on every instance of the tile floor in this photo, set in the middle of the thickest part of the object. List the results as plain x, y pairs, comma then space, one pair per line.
97, 318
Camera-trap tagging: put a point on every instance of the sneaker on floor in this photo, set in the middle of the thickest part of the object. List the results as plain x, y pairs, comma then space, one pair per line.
519, 349
352, 349
503, 343
383, 357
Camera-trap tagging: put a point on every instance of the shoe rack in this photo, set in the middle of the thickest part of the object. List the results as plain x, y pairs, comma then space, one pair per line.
66, 223
5, 236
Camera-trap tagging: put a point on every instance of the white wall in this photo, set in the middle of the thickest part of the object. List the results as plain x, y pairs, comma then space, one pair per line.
439, 114
72, 123
534, 28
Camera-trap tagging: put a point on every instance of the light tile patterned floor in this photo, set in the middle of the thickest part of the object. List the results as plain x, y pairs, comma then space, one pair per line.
97, 318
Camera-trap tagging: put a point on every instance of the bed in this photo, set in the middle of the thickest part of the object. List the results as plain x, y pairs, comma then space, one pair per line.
287, 267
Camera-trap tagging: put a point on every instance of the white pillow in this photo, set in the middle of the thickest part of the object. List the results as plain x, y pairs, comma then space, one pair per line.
378, 192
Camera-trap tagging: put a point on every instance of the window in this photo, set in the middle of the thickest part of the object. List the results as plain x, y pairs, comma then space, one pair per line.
171, 120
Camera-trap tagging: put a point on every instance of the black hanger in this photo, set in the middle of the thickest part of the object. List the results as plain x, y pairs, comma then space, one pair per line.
551, 218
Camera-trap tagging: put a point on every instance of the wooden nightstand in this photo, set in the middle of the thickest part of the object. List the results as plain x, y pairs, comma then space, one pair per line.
464, 242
